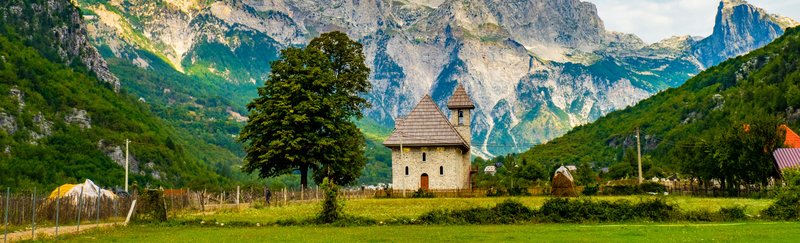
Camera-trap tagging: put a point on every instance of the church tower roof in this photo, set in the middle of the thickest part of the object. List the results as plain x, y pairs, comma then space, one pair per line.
460, 99
426, 125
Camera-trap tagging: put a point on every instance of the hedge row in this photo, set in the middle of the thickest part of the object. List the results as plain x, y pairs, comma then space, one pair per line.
562, 210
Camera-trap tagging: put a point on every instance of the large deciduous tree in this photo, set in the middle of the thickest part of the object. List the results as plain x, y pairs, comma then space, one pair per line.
739, 155
303, 117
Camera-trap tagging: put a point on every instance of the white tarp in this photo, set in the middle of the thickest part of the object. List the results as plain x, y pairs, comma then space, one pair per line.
90, 191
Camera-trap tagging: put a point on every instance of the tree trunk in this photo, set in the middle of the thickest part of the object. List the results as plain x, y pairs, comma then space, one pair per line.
304, 176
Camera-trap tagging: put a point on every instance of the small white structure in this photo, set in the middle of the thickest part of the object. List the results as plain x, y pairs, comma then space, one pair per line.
490, 170
90, 191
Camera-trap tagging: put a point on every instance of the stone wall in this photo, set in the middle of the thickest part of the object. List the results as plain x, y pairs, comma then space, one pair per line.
464, 128
453, 160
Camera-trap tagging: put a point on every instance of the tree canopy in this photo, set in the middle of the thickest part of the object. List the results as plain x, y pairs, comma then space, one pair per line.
303, 117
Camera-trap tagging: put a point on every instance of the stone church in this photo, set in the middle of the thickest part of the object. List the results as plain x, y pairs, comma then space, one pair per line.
428, 150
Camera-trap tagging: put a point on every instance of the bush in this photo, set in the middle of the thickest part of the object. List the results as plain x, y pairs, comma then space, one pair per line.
700, 215
645, 187
620, 190
584, 210
507, 212
151, 207
495, 192
650, 186
591, 190
518, 191
787, 205
331, 208
734, 213
422, 194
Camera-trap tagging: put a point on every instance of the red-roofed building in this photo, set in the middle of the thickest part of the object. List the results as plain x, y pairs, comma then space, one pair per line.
792, 139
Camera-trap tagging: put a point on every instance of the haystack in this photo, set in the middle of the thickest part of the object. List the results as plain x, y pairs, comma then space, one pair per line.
563, 184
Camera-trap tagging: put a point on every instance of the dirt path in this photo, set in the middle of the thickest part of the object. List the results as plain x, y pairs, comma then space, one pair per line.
51, 231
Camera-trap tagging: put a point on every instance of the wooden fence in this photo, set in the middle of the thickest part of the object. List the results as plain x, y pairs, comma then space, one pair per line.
30, 210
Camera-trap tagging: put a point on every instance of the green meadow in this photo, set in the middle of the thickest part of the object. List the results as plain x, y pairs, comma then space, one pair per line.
226, 225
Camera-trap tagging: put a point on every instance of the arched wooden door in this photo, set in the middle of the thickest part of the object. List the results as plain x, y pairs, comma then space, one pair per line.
423, 182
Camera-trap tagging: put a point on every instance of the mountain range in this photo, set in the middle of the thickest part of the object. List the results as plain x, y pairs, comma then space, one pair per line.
174, 75
535, 68
737, 94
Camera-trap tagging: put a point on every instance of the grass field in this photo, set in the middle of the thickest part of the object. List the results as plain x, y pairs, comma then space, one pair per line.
728, 232
385, 209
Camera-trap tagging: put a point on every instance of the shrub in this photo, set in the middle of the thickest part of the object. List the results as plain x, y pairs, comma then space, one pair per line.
732, 213
650, 186
422, 194
700, 215
583, 210
151, 207
506, 212
591, 190
495, 192
331, 208
518, 191
787, 205
620, 190
645, 187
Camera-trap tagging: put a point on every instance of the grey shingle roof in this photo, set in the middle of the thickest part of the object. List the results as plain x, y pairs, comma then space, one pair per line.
460, 99
426, 125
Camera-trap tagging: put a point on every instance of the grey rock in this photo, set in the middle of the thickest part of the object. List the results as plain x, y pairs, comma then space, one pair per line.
8, 123
117, 154
43, 125
19, 97
79, 117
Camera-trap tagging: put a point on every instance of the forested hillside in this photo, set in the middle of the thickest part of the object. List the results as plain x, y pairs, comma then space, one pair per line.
64, 119
762, 85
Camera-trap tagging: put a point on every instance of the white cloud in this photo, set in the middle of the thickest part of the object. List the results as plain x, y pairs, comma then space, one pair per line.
654, 20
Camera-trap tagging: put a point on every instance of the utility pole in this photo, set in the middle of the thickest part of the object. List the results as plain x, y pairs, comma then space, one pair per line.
639, 152
401, 160
127, 142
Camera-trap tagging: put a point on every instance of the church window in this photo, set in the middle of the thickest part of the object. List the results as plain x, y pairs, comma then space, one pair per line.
423, 156
406, 170
441, 170
460, 117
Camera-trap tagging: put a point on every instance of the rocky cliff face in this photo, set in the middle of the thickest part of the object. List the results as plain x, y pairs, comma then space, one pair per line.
739, 28
535, 68
56, 21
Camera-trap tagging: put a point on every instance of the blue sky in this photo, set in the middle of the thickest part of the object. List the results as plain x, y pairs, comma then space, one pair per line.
654, 20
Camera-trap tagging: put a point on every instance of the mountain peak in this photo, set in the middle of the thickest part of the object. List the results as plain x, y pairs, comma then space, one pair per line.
731, 3
739, 27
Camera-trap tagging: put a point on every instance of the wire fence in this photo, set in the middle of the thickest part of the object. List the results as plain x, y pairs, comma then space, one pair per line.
31, 210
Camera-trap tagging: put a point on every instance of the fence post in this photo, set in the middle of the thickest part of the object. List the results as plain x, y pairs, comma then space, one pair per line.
99, 195
58, 207
33, 216
237, 196
80, 206
5, 221
284, 196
